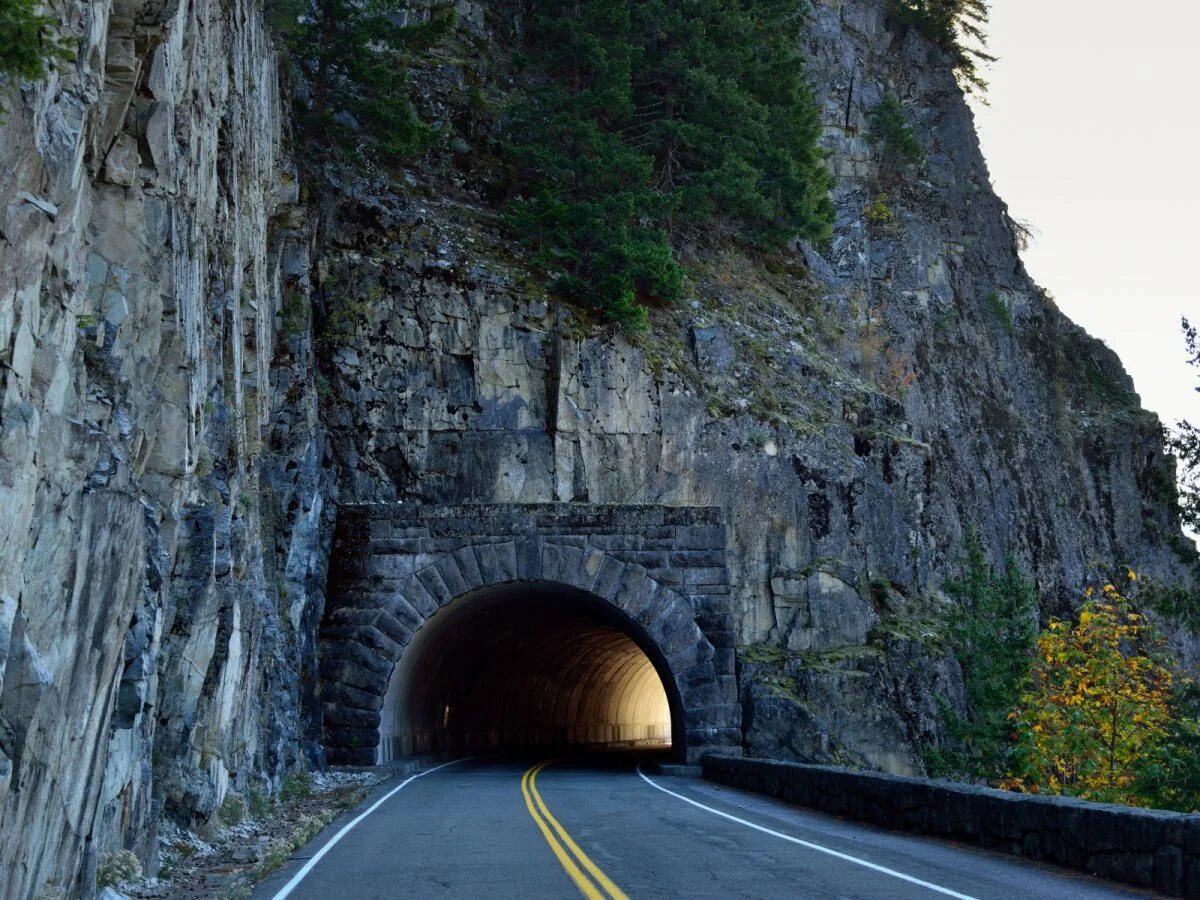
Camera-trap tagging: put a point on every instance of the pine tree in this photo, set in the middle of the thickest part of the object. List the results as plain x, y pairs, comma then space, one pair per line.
992, 631
958, 26
641, 118
890, 131
586, 208
31, 43
724, 107
1184, 442
352, 57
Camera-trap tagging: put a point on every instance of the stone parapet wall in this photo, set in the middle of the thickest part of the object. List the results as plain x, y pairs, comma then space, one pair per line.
1147, 848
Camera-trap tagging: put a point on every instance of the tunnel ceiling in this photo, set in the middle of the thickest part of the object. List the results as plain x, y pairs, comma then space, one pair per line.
525, 665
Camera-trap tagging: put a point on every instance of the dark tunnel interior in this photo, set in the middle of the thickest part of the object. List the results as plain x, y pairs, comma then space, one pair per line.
528, 665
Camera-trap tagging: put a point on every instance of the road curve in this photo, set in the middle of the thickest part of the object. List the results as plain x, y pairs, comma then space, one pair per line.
595, 828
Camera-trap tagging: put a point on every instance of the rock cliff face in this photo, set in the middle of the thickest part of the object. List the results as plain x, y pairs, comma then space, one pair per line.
167, 483
855, 411
163, 475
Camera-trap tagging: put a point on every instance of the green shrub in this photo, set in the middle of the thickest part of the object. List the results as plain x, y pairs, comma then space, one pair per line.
113, 868
340, 325
877, 212
280, 850
232, 810
1000, 311
236, 890
261, 804
294, 312
297, 785
890, 131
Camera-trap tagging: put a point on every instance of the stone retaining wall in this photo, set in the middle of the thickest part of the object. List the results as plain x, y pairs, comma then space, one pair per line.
1147, 848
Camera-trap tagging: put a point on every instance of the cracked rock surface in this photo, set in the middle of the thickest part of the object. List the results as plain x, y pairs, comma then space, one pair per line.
170, 460
163, 474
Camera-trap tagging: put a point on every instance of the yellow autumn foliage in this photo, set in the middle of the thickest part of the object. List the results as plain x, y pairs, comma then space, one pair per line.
1098, 704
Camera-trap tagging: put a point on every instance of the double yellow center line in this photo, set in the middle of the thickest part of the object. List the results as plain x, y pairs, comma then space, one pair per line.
596, 887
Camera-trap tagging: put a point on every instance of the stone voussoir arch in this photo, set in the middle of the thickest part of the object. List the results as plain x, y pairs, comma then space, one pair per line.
393, 574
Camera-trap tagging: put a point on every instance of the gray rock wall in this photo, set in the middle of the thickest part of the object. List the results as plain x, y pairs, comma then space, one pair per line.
163, 485
166, 481
856, 411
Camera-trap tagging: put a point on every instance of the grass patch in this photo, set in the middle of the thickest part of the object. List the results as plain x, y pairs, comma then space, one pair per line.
232, 811
114, 868
296, 786
1000, 311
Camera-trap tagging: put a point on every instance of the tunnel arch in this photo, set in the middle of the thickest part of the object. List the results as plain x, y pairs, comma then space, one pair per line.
399, 569
529, 664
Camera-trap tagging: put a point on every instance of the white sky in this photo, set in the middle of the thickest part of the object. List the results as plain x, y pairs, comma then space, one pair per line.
1093, 137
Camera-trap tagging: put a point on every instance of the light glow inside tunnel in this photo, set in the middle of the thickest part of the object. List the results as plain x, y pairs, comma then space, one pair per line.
527, 665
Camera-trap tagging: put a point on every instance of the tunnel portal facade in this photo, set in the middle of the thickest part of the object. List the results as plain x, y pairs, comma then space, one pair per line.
452, 629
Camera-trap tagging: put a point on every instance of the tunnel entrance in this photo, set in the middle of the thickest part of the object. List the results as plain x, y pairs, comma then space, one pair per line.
452, 628
526, 665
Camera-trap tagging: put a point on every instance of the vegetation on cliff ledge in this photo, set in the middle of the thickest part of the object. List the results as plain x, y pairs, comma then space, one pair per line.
637, 125
352, 59
890, 131
31, 43
1184, 442
957, 26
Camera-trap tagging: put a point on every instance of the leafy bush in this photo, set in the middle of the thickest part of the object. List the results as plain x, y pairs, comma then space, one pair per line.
992, 631
261, 803
953, 25
232, 811
1000, 311
31, 43
1097, 712
297, 785
877, 212
890, 131
637, 121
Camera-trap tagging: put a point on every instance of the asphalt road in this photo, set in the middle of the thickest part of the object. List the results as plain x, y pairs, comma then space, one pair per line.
598, 829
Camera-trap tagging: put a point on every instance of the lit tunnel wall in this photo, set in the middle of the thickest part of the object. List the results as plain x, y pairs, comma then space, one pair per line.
527, 666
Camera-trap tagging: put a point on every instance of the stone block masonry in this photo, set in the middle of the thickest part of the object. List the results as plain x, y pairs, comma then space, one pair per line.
395, 565
1147, 848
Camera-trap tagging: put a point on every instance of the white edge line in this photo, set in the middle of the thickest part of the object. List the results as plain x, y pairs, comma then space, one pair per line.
810, 846
308, 866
